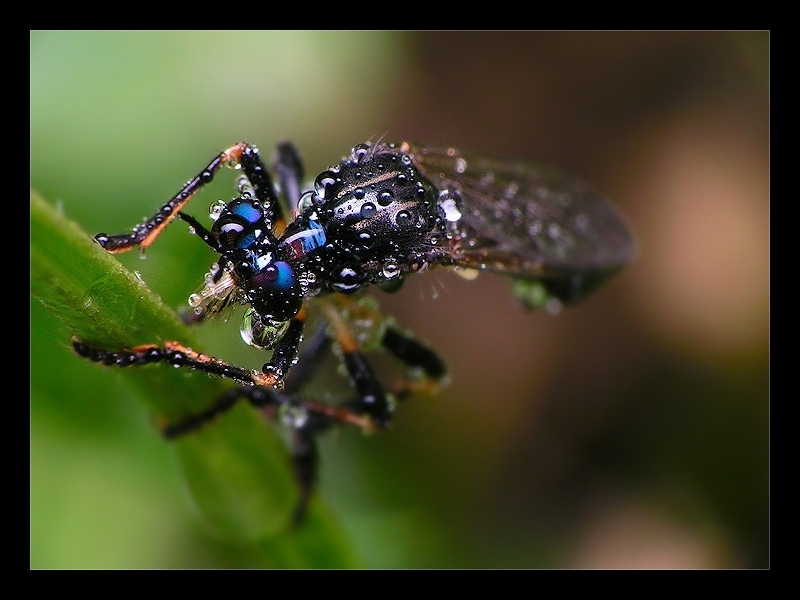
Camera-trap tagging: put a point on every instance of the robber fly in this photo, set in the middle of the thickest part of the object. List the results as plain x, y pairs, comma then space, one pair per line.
384, 212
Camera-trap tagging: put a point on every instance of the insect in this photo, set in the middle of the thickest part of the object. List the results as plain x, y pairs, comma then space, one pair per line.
385, 212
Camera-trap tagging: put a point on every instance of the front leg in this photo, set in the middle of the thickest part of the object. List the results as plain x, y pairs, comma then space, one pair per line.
145, 234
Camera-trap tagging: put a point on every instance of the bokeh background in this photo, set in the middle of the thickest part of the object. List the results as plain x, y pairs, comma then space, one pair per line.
630, 431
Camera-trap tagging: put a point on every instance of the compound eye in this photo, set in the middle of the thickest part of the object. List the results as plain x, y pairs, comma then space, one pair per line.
237, 225
228, 229
275, 292
247, 209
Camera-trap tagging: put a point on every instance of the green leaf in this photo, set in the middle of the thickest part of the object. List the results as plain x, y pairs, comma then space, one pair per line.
237, 468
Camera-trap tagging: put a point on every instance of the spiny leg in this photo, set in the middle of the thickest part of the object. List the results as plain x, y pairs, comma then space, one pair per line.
306, 419
311, 356
174, 354
285, 352
404, 347
372, 400
243, 154
177, 355
305, 458
143, 235
414, 354
303, 443
289, 168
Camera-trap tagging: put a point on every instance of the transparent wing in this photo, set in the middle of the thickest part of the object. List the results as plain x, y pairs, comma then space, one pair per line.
532, 222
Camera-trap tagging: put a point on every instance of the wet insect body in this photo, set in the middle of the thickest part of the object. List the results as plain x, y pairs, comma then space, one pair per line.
385, 212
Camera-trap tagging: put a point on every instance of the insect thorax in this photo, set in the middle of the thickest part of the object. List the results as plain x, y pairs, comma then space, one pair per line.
381, 217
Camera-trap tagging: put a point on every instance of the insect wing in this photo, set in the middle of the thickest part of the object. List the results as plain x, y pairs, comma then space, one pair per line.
532, 222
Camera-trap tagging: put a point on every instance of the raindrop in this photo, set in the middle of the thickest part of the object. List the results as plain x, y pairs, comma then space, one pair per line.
216, 209
294, 415
403, 218
385, 198
359, 152
368, 210
449, 204
391, 269
306, 201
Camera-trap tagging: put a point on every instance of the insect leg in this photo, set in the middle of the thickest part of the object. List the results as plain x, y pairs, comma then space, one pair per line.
414, 354
258, 396
305, 458
372, 400
258, 175
176, 355
303, 444
144, 234
311, 357
313, 353
284, 356
201, 231
289, 167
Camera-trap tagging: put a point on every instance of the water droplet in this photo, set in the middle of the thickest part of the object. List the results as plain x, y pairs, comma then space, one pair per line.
261, 333
535, 228
245, 187
306, 279
385, 198
306, 201
346, 279
553, 306
324, 184
365, 240
449, 203
293, 415
391, 269
368, 210
403, 218
216, 209
461, 165
359, 152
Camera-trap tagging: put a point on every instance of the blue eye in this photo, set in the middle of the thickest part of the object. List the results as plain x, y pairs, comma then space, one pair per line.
278, 276
249, 211
285, 278
276, 293
246, 241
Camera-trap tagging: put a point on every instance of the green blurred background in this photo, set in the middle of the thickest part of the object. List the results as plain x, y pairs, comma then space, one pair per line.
631, 431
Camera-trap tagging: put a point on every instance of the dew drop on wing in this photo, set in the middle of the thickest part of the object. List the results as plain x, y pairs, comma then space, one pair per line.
534, 223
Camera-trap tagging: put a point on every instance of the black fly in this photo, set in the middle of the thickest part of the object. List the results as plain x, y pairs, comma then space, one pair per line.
385, 212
